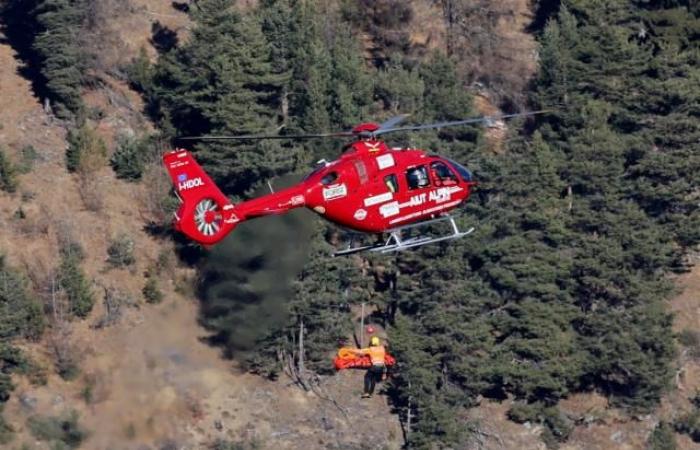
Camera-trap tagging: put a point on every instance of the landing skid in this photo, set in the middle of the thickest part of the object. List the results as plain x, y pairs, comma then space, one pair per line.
396, 243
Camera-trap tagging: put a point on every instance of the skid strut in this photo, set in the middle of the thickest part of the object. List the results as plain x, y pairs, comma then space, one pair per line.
396, 243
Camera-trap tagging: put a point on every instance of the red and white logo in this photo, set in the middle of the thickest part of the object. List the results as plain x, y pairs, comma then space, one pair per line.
360, 214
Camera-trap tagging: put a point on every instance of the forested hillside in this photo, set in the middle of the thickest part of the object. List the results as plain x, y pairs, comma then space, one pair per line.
583, 214
579, 222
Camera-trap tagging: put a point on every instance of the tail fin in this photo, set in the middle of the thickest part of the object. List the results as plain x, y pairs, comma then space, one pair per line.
206, 215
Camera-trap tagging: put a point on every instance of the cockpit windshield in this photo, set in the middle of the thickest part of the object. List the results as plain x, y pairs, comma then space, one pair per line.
461, 170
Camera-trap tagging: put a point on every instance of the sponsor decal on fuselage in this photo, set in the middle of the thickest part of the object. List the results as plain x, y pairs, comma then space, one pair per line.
385, 161
336, 191
389, 209
377, 199
178, 164
439, 195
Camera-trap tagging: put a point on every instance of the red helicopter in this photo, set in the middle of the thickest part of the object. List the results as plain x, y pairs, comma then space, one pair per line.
371, 188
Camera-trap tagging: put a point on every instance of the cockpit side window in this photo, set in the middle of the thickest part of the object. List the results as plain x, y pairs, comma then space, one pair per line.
417, 177
442, 174
329, 178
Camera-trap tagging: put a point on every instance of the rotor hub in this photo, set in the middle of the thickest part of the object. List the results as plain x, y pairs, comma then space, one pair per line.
366, 128
210, 216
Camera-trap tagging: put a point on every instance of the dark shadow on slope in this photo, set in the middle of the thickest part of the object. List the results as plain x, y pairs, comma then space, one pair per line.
163, 38
18, 25
543, 11
246, 280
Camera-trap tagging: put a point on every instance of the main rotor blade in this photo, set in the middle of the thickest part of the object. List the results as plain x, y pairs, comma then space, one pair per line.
252, 137
392, 121
457, 122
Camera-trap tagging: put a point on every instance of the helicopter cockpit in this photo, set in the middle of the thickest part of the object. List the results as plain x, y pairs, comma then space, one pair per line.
461, 170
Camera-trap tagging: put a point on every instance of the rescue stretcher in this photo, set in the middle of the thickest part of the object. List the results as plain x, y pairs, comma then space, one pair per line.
347, 359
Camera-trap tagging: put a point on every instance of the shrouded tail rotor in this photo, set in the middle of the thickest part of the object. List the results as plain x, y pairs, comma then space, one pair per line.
208, 217
206, 214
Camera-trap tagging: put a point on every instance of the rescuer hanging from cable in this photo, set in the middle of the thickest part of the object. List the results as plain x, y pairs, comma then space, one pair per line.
377, 354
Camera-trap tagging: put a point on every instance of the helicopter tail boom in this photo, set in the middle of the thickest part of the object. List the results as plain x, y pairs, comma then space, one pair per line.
206, 214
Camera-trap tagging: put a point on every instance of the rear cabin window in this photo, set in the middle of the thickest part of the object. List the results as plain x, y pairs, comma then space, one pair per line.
392, 182
417, 177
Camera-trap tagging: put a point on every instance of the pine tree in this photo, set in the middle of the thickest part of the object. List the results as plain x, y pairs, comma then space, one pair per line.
222, 82
62, 58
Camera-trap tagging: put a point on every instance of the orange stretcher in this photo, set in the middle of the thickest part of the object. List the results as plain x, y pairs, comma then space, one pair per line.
346, 359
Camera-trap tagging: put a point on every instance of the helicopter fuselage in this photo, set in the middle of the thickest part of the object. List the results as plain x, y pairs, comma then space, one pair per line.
370, 188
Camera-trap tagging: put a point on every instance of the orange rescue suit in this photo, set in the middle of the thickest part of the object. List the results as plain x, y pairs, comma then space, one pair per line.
376, 354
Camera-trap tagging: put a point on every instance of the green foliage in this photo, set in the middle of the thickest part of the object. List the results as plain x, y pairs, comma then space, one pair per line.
77, 287
6, 387
67, 364
12, 360
120, 252
557, 425
20, 312
61, 55
662, 438
59, 430
20, 316
152, 292
222, 81
8, 173
401, 90
28, 156
384, 21
140, 72
86, 151
689, 424
70, 248
131, 157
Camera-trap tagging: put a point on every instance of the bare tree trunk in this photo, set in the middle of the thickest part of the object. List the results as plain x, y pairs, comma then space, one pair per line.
300, 356
301, 369
570, 194
408, 414
285, 106
448, 12
362, 326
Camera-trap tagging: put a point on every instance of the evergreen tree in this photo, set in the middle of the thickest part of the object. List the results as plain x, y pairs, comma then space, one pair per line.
20, 313
222, 82
61, 55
